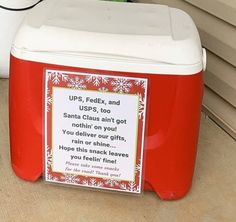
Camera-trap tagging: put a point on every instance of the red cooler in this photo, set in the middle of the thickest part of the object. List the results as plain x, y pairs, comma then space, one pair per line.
149, 41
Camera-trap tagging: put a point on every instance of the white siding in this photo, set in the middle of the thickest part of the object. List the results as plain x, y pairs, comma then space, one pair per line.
216, 21
223, 9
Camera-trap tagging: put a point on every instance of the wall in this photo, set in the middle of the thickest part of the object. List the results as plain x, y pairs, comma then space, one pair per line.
216, 21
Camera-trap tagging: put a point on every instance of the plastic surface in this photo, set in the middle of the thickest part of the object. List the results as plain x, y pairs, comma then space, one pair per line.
173, 117
156, 42
153, 34
9, 23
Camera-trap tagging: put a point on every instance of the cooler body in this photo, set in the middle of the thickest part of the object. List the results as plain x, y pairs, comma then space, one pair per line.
158, 43
173, 118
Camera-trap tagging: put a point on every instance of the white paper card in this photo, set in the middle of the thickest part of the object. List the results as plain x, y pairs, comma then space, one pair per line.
94, 130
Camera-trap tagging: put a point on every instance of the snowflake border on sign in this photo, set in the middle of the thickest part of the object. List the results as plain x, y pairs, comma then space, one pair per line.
92, 182
103, 89
70, 178
49, 100
96, 80
50, 177
138, 168
141, 83
112, 182
56, 77
141, 106
121, 85
76, 83
49, 156
130, 187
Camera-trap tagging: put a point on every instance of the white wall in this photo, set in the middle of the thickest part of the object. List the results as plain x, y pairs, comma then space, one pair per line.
216, 21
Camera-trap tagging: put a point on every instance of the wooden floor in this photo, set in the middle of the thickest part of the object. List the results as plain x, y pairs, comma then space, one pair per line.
212, 198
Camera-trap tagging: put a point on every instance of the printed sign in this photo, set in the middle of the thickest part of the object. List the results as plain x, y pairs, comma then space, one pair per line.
94, 130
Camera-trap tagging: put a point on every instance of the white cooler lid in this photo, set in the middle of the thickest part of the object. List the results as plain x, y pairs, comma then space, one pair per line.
131, 37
